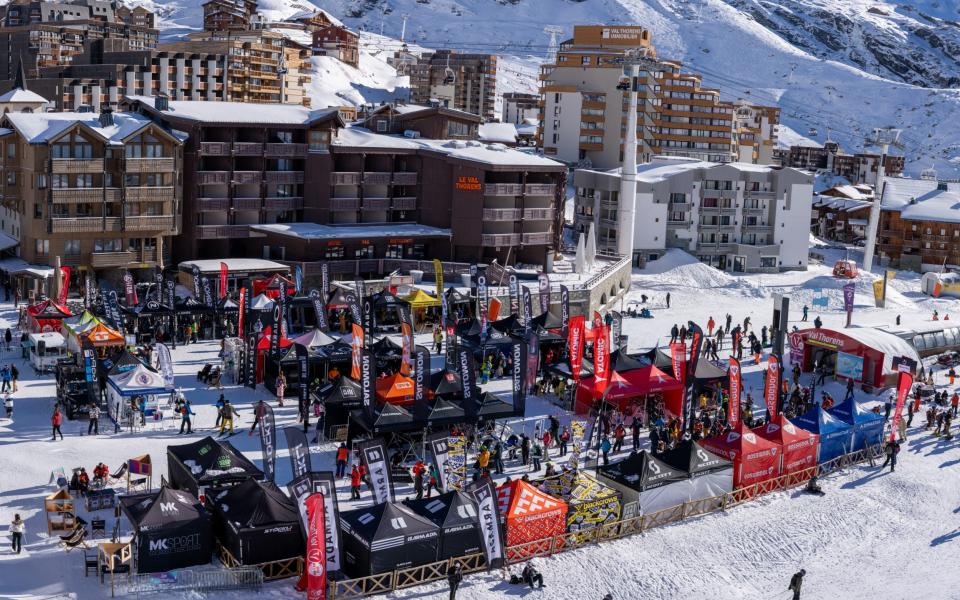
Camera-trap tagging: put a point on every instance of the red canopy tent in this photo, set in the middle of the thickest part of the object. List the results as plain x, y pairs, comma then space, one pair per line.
625, 387
395, 389
799, 445
530, 515
270, 286
263, 349
47, 316
754, 458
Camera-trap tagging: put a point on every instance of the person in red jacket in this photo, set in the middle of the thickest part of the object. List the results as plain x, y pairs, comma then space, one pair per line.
342, 455
547, 438
710, 325
954, 401
56, 420
355, 483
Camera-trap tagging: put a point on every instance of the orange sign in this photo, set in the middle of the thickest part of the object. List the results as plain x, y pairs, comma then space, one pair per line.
468, 183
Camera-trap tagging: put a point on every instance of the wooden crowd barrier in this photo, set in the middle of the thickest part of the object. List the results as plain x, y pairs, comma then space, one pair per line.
277, 569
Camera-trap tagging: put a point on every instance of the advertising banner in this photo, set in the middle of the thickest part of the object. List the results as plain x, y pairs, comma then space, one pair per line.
166, 363
224, 271
421, 374
488, 512
207, 292
771, 386
298, 279
284, 302
299, 450
197, 286
241, 309
616, 329
65, 286
440, 451
849, 292
518, 368
438, 275
513, 287
89, 293
527, 307
268, 443
601, 360
356, 349
564, 310
251, 356
455, 468
368, 382
374, 455
406, 338
465, 365
482, 306
696, 347
575, 345
735, 383
316, 563
678, 360
129, 288
533, 359
111, 308
303, 377
904, 384
325, 280
850, 366
544, 284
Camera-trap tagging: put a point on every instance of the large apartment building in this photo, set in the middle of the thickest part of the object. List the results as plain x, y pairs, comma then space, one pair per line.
860, 168
229, 15
99, 191
466, 82
519, 108
919, 225
585, 104
756, 133
735, 216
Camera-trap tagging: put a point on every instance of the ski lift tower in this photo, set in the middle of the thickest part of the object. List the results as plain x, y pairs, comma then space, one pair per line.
553, 31
633, 61
884, 138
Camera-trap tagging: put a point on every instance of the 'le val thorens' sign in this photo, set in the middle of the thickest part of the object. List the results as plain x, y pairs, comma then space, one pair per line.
468, 183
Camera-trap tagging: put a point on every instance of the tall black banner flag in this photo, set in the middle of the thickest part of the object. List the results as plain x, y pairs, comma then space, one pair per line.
468, 373
252, 360
324, 280
275, 330
374, 455
696, 345
491, 533
440, 450
421, 376
299, 450
320, 308
513, 287
303, 377
616, 330
368, 382
518, 369
527, 309
268, 441
321, 482
354, 304
544, 282
283, 300
197, 285
564, 311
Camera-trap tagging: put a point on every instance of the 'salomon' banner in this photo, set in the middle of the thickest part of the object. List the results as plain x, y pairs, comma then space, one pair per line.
368, 382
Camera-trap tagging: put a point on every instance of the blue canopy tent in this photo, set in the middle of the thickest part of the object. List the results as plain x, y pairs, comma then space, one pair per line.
835, 435
867, 425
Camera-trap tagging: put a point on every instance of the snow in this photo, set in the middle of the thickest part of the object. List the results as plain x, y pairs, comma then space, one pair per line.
240, 112
505, 133
313, 231
338, 84
38, 128
22, 95
921, 200
234, 265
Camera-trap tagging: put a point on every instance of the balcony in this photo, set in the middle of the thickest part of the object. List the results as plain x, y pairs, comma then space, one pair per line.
761, 194
725, 210
212, 177
373, 178
341, 204
213, 204
247, 149
679, 206
501, 214
284, 176
719, 193
681, 224
84, 224
502, 189
148, 165
537, 239
214, 148
219, 232
345, 178
291, 203
376, 203
149, 194
539, 214
757, 228
500, 239
149, 223
754, 210
76, 165
247, 203
287, 150
247, 177
404, 179
77, 195
540, 189
405, 203
100, 260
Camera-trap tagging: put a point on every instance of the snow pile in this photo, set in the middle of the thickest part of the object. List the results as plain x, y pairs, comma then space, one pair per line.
338, 84
677, 268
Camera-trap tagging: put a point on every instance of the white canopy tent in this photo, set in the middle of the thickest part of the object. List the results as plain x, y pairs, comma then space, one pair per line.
136, 384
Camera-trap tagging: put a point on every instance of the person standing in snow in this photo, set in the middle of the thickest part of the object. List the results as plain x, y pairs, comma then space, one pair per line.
17, 529
454, 577
93, 425
806, 310
56, 420
796, 582
891, 449
668, 299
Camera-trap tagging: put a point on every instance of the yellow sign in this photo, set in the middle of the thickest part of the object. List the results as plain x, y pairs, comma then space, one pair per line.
878, 292
438, 274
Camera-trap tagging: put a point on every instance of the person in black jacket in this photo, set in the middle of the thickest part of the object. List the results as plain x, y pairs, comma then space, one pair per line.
454, 577
531, 576
796, 582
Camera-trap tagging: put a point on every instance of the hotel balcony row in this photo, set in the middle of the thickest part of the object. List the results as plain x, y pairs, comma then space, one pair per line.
227, 204
516, 214
124, 165
100, 194
253, 149
248, 177
373, 204
499, 240
372, 178
167, 224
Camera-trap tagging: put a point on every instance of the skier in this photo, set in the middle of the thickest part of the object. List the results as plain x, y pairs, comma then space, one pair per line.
564, 440
418, 478
796, 582
674, 333
227, 412
817, 322
710, 325
605, 450
454, 577
729, 321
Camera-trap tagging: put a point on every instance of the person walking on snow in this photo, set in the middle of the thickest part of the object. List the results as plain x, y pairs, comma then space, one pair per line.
56, 420
891, 449
355, 483
668, 299
674, 333
806, 310
796, 582
93, 426
454, 577
259, 412
227, 412
342, 455
710, 325
17, 529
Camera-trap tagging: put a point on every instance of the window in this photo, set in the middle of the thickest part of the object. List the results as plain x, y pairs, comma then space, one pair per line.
319, 141
108, 245
365, 251
285, 137
394, 251
84, 180
381, 126
457, 128
42, 181
84, 209
11, 150
42, 246
11, 178
585, 60
333, 252
59, 181
71, 247
38, 211
767, 262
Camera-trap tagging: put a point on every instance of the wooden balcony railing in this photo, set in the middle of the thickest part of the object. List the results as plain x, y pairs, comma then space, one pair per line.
149, 194
287, 150
344, 204
405, 203
405, 179
246, 177
148, 165
501, 214
85, 224
211, 232
502, 189
247, 203
537, 238
247, 149
375, 178
149, 223
500, 239
111, 259
215, 148
283, 203
376, 203
345, 178
77, 165
284, 176
213, 204
539, 189
539, 214
212, 177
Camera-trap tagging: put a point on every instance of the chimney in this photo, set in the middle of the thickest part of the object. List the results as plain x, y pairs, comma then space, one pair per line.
161, 102
106, 117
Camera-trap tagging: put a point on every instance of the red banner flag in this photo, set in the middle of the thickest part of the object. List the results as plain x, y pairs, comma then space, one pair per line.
406, 339
575, 344
242, 308
601, 360
62, 300
735, 386
771, 387
316, 567
597, 321
356, 346
904, 383
223, 279
678, 360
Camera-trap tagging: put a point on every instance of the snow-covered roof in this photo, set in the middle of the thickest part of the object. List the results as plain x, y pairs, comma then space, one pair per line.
851, 191
238, 112
359, 137
527, 129
314, 231
922, 199
21, 95
234, 264
890, 344
306, 14
505, 133
844, 204
38, 128
18, 265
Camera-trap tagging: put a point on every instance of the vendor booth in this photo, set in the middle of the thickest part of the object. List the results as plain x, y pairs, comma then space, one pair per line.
395, 389
45, 349
799, 446
171, 530
493, 407
835, 436
100, 336
709, 475
270, 286
864, 354
140, 386
422, 304
867, 425
633, 387
455, 514
590, 503
529, 515
208, 462
386, 537
646, 482
755, 459
47, 316
314, 338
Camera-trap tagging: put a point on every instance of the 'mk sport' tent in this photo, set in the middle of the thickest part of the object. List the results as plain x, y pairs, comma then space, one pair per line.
171, 530
529, 515
835, 435
755, 459
385, 537
455, 513
590, 503
208, 462
867, 426
799, 445
647, 481
257, 522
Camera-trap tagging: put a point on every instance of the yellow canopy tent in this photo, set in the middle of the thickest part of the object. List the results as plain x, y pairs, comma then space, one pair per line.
421, 299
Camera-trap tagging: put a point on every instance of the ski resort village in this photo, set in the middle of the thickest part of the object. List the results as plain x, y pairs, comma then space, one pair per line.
585, 300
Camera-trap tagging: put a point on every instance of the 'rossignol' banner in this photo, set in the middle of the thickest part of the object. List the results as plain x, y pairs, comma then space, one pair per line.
319, 309
283, 303
771, 387
564, 310
601, 360
374, 455
325, 280
251, 358
465, 365
543, 280
440, 450
533, 359
527, 304
575, 345
482, 305
519, 387
111, 309
356, 349
166, 364
171, 294
438, 275
197, 291
421, 373
616, 328
158, 280
241, 311
368, 382
904, 384
129, 289
65, 286
298, 279
696, 347
303, 376
299, 450
678, 360
406, 338
513, 287
488, 512
268, 443
207, 292
316, 563
224, 271
735, 382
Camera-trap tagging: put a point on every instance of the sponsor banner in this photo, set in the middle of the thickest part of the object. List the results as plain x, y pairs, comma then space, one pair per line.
796, 348
513, 287
482, 306
444, 310
678, 360
241, 309
197, 293
303, 376
171, 294
207, 292
421, 373
467, 369
564, 310
493, 312
354, 304
158, 279
849, 293
252, 360
519, 387
316, 563
696, 346
543, 281
224, 271
474, 272
321, 482
879, 290
491, 533
575, 345
89, 360
356, 349
319, 309
438, 275
577, 429
268, 443
283, 302
601, 360
298, 279
904, 383
89, 293
735, 382
374, 455
129, 288
65, 286
368, 318
166, 364
299, 450
275, 330
368, 381
360, 288
616, 329
849, 366
527, 306
406, 338
325, 280
455, 469
111, 308
440, 450
533, 359
771, 386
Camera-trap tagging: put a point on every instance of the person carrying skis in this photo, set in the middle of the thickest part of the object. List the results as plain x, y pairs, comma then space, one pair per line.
796, 582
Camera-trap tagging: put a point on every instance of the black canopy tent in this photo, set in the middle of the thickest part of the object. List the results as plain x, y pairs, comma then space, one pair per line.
386, 537
492, 407
257, 522
445, 383
548, 320
172, 530
287, 361
455, 513
646, 480
621, 362
445, 412
208, 463
707, 373
389, 418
